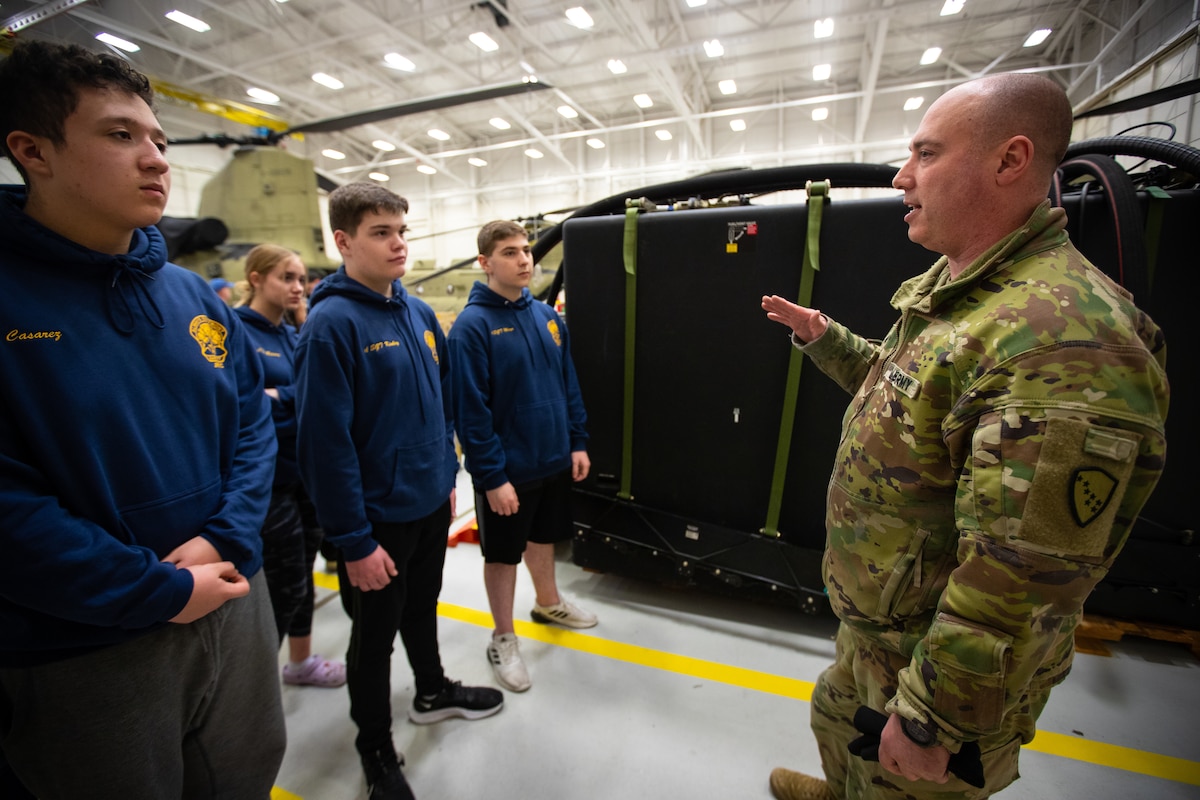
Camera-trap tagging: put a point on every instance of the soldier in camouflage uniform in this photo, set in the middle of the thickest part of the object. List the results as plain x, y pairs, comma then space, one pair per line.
1001, 441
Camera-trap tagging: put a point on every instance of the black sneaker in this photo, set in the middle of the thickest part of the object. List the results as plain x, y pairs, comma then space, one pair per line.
456, 700
385, 781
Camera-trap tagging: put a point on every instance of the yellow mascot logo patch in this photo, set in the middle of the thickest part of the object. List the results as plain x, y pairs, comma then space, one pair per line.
552, 326
1091, 492
431, 343
210, 335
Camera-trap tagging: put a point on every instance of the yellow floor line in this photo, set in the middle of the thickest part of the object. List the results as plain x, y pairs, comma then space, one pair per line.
1179, 770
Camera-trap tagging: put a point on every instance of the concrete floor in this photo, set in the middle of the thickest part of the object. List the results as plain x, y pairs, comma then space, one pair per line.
681, 694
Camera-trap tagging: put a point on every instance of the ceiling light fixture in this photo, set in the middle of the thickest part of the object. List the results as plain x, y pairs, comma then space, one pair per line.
439, 134
426, 169
595, 144
713, 48
262, 95
379, 176
533, 152
380, 144
568, 112
397, 61
500, 123
696, 3
1037, 37
952, 7
727, 87
913, 103
118, 42
737, 125
579, 17
475, 161
821, 72
643, 100
484, 42
327, 81
820, 114
823, 28
663, 135
931, 56
188, 21
616, 66
336, 155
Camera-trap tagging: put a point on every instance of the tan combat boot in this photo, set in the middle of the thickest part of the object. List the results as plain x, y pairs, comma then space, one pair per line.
789, 785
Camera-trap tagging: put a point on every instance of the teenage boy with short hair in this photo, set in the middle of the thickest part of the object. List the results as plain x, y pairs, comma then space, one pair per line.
138, 658
376, 449
520, 418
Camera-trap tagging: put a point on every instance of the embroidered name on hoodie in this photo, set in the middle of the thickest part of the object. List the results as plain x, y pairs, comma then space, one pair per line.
499, 331
21, 336
375, 348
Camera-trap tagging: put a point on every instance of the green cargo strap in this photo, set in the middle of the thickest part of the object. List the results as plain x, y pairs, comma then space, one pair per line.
1154, 221
632, 208
818, 195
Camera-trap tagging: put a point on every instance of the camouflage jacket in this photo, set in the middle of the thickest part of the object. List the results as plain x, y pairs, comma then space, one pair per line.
1001, 441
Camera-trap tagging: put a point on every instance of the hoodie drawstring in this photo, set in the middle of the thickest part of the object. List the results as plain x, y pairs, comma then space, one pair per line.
128, 282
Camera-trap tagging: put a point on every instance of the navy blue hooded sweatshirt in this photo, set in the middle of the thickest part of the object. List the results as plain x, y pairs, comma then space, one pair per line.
276, 349
132, 419
376, 436
517, 404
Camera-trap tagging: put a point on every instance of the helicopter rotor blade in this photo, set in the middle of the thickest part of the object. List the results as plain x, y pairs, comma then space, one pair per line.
415, 107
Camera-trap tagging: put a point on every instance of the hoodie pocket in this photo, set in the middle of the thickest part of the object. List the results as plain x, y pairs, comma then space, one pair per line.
165, 523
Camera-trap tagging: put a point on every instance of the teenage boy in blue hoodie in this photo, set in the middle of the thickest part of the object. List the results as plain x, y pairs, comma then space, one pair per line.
520, 419
376, 450
138, 655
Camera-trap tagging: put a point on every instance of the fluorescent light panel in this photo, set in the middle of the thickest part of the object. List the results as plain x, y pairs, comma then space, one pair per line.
533, 152
336, 155
616, 66
737, 125
823, 28
821, 72
713, 48
820, 114
696, 3
500, 123
913, 103
426, 169
397, 61
643, 100
727, 87
188, 21
484, 42
579, 17
475, 161
952, 7
380, 144
1037, 37
568, 112
931, 56
327, 81
595, 144
262, 95
118, 42
379, 176
439, 134
663, 135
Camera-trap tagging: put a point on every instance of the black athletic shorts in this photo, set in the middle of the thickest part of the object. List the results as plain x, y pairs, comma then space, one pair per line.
543, 517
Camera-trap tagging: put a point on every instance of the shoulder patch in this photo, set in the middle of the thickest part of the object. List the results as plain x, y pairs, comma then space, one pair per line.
1091, 491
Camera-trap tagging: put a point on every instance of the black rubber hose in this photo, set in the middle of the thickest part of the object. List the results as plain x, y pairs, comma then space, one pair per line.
721, 184
1176, 154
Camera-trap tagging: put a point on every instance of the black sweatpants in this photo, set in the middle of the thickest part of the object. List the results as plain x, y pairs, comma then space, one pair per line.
409, 605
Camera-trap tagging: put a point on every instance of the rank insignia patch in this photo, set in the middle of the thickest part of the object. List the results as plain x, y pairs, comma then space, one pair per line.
1091, 490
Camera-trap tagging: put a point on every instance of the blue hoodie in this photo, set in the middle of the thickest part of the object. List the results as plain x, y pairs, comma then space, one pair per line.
132, 419
376, 437
517, 404
276, 349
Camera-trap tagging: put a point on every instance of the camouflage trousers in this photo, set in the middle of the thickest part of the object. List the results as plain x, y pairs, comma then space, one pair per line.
865, 674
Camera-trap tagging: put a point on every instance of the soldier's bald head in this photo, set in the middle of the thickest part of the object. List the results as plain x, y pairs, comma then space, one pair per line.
1019, 104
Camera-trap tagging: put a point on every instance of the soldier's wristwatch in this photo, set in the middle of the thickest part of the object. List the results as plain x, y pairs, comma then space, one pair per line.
922, 733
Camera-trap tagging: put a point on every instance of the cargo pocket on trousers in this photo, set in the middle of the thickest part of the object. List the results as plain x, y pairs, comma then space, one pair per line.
971, 663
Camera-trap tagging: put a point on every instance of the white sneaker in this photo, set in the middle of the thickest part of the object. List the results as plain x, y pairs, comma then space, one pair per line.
564, 613
505, 656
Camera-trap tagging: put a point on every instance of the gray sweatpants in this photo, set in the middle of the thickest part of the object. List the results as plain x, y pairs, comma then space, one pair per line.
189, 711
